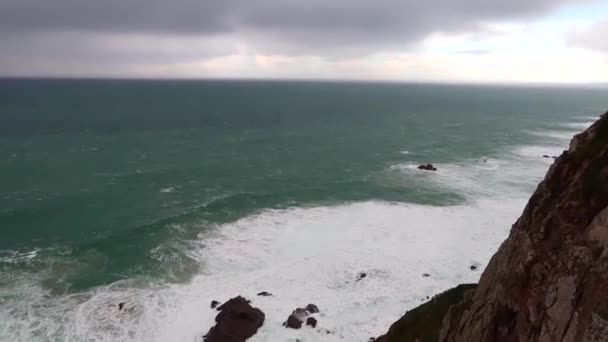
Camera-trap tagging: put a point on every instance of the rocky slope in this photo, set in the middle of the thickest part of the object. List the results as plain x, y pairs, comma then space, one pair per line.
549, 279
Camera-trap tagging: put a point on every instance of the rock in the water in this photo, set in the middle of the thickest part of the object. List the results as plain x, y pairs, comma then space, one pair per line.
313, 309
236, 322
427, 167
426, 275
299, 315
121, 305
214, 304
265, 294
293, 322
545, 156
361, 276
311, 321
473, 267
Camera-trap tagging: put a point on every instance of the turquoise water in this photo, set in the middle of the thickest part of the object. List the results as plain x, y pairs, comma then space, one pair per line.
109, 181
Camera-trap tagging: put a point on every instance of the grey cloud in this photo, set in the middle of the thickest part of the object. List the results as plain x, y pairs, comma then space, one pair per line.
51, 53
592, 38
82, 30
308, 21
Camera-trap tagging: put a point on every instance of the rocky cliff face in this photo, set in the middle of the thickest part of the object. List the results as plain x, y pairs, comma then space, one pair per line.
549, 279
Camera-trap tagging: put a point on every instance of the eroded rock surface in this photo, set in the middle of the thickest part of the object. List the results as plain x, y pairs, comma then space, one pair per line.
549, 279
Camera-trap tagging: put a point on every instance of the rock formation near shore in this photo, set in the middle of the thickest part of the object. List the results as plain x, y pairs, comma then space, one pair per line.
549, 279
236, 322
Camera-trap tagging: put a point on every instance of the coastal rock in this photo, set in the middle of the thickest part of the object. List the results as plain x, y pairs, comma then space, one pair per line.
427, 167
313, 309
473, 267
424, 322
214, 304
300, 315
265, 294
236, 322
296, 319
311, 321
549, 279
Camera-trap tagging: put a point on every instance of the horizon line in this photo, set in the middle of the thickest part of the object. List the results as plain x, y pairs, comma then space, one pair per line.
306, 80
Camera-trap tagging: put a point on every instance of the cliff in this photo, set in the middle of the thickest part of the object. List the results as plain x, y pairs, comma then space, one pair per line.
549, 279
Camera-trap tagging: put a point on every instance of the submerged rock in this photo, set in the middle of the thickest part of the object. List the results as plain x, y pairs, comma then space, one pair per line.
428, 167
236, 322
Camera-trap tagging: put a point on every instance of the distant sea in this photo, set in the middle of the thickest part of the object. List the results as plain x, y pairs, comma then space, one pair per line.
165, 195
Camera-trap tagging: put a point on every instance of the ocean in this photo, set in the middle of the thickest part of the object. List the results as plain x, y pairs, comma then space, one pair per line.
165, 195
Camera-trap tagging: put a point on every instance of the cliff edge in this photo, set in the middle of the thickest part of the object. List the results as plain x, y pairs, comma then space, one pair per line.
549, 279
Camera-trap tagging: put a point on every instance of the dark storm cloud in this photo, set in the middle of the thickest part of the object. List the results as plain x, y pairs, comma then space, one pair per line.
40, 30
316, 22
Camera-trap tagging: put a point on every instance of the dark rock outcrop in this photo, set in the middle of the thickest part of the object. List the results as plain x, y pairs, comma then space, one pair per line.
214, 304
311, 321
236, 322
265, 294
300, 315
427, 167
313, 309
361, 276
296, 319
549, 279
423, 323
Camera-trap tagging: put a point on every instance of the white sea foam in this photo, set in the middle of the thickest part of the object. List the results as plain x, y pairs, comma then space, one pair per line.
301, 255
13, 257
537, 151
167, 189
579, 126
556, 135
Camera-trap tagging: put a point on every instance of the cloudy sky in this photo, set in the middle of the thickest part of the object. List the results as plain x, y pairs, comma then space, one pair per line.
564, 41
